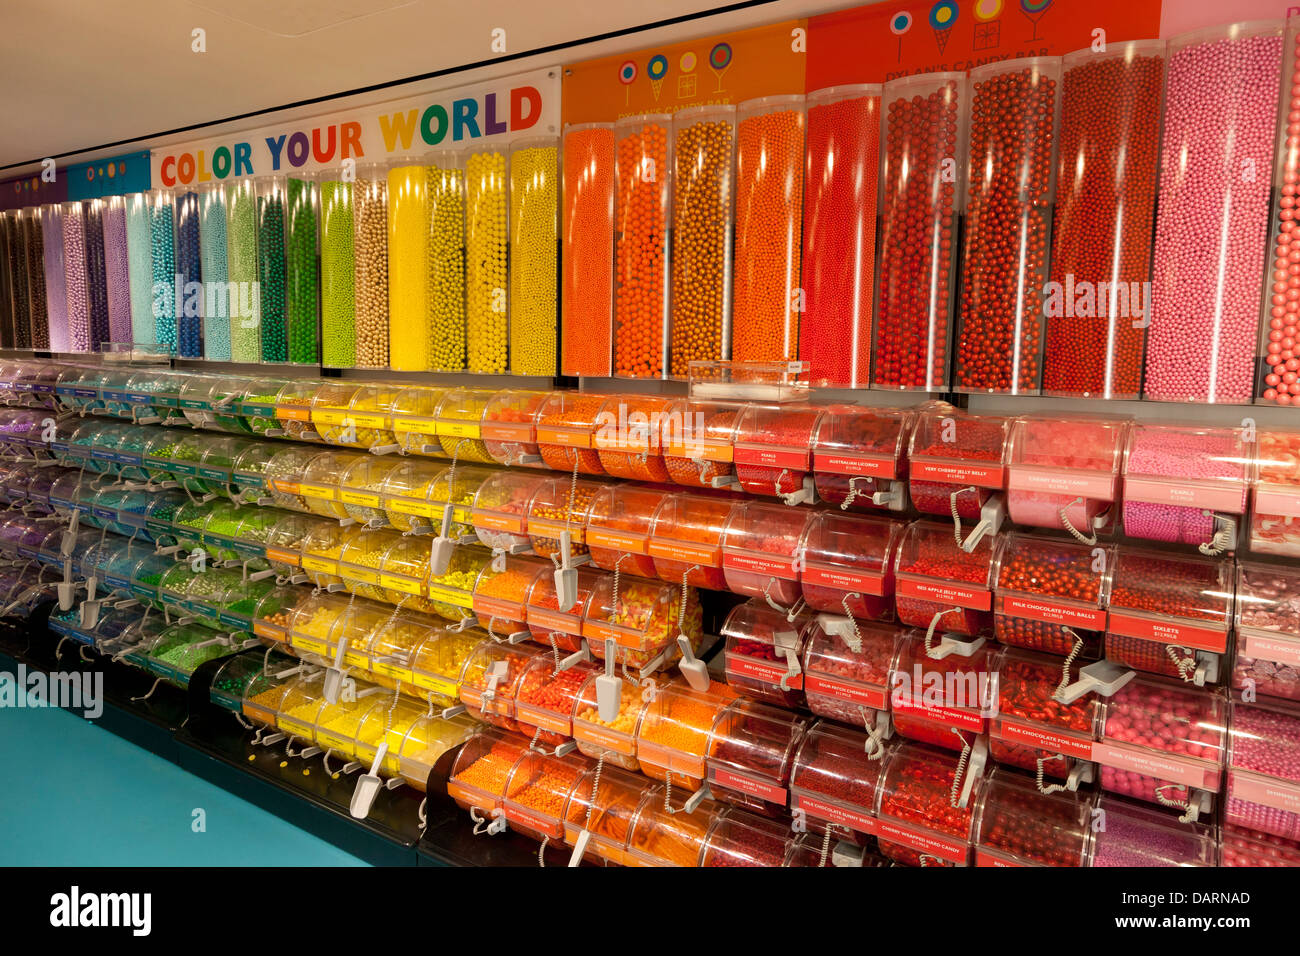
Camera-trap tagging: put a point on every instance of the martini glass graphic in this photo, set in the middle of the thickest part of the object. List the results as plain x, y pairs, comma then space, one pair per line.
1033, 11
719, 61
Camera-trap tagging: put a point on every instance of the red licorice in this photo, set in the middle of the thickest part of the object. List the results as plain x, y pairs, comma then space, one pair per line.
1013, 116
918, 214
859, 451
839, 236
1105, 217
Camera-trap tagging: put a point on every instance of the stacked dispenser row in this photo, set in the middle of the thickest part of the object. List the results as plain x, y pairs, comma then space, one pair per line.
1209, 487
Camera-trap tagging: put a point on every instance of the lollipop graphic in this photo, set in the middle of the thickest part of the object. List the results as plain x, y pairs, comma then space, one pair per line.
988, 29
626, 75
943, 16
657, 69
899, 24
1033, 11
719, 60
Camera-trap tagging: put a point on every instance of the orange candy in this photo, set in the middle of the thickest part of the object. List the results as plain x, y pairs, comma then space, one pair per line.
588, 261
641, 217
769, 221
702, 173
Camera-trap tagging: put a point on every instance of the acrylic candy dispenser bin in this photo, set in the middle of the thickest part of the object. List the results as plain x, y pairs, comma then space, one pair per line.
1017, 825
1170, 614
1275, 509
957, 464
1186, 485
618, 528
751, 755
1050, 594
846, 673
685, 542
701, 454
1064, 473
1263, 769
848, 565
860, 457
1267, 631
939, 585
764, 652
835, 781
759, 545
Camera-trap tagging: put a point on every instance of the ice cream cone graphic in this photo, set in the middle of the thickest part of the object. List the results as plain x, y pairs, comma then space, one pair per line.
943, 16
657, 69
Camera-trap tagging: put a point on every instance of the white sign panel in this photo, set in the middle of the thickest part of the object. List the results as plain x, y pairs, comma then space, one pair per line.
526, 104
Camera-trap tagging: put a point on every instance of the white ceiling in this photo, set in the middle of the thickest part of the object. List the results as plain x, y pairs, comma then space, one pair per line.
78, 74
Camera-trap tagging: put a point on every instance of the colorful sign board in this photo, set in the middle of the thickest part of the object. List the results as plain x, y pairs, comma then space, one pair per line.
526, 104
726, 68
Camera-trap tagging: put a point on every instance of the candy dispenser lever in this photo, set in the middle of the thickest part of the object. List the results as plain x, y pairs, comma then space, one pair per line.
368, 786
836, 625
581, 656
806, 493
891, 498
609, 689
846, 854
453, 711
992, 515
1104, 677
958, 644
1081, 771
1207, 669
698, 797
979, 758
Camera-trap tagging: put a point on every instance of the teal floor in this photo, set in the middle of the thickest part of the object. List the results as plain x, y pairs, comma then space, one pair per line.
130, 807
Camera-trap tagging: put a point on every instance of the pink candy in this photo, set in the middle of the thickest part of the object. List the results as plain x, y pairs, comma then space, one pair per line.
1216, 163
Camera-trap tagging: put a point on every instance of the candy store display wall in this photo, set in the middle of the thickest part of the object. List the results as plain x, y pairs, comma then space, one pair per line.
917, 543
